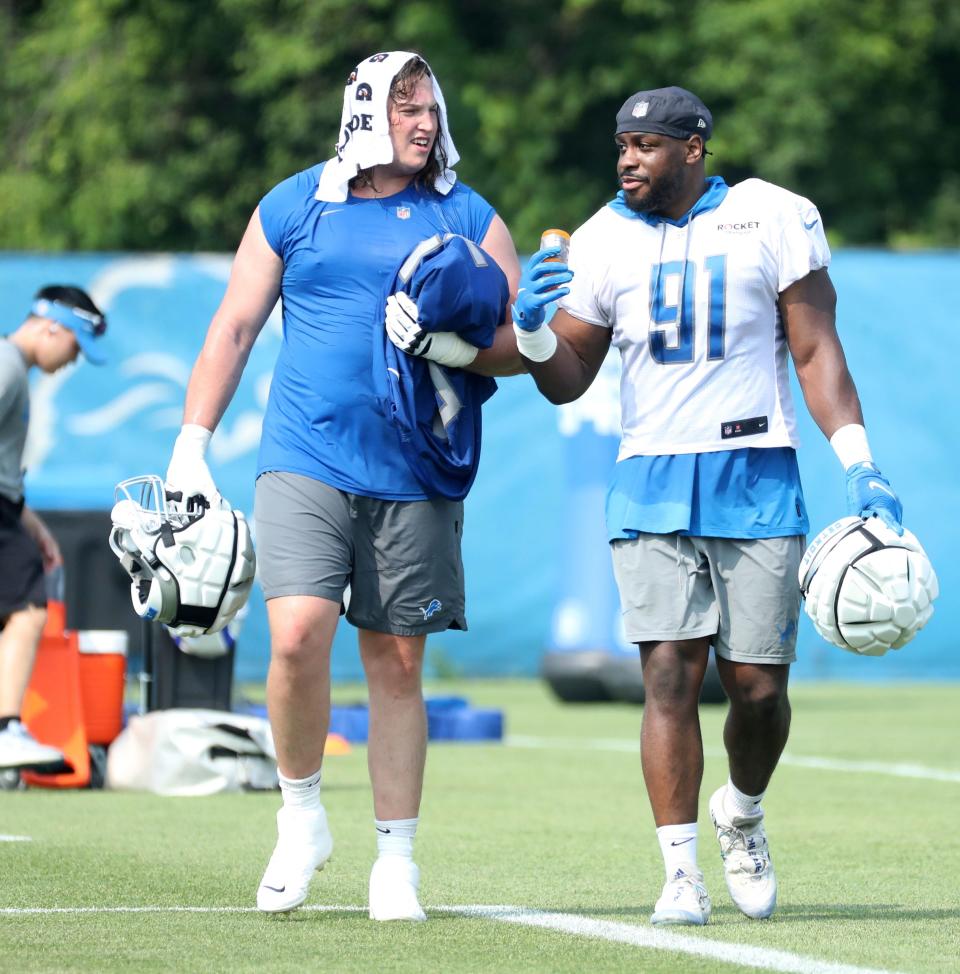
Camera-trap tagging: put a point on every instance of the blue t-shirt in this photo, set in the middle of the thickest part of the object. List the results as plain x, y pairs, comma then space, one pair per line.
747, 493
323, 419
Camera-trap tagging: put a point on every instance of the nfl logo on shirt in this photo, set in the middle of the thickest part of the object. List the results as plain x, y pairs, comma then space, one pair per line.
403, 212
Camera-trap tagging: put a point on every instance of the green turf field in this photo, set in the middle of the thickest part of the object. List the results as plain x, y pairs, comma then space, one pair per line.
553, 826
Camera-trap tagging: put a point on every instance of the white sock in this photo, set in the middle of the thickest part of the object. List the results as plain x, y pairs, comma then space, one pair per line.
678, 846
739, 805
301, 793
395, 836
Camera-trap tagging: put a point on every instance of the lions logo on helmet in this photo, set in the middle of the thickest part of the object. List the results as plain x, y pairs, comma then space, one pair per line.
867, 590
191, 566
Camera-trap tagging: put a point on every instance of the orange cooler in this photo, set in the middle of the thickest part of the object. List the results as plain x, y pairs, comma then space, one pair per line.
103, 670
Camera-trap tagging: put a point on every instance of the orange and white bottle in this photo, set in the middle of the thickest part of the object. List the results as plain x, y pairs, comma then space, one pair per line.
556, 238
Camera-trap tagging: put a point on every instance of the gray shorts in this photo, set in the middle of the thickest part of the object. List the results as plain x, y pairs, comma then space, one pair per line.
742, 592
401, 559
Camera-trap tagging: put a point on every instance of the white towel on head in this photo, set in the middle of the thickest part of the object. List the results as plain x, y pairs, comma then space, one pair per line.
364, 139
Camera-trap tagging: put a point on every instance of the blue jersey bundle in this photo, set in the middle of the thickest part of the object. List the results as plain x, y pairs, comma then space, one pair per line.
459, 288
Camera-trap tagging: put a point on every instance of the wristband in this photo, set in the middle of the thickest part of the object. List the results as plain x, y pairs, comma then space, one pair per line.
851, 446
194, 438
449, 349
537, 346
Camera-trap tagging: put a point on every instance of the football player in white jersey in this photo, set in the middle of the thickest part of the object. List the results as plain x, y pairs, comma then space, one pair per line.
705, 289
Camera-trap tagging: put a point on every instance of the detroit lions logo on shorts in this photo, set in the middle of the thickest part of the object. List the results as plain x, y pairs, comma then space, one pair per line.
432, 609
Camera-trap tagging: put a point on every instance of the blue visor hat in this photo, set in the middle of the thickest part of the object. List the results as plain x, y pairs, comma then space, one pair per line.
86, 325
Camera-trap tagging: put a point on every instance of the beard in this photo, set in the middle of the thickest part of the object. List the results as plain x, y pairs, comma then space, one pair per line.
661, 194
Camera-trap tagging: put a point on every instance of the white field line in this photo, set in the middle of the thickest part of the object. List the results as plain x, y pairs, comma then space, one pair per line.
15, 838
743, 955
44, 910
872, 767
796, 760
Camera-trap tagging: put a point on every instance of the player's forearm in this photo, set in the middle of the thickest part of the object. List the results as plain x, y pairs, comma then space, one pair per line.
808, 308
251, 294
32, 523
216, 375
564, 376
501, 358
829, 390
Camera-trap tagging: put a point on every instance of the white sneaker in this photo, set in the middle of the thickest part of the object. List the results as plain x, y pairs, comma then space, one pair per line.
683, 902
746, 859
394, 882
19, 749
303, 847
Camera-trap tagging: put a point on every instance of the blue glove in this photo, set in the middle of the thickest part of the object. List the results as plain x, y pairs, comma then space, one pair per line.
539, 286
869, 493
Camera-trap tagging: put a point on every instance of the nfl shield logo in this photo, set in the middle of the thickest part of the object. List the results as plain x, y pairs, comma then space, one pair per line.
640, 109
403, 212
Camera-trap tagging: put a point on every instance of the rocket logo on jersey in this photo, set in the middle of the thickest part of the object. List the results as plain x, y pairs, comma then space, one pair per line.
744, 226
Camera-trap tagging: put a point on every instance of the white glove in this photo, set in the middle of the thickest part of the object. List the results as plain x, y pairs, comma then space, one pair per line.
188, 471
404, 330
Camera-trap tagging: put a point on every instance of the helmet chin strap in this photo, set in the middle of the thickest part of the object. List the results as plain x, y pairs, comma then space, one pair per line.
147, 598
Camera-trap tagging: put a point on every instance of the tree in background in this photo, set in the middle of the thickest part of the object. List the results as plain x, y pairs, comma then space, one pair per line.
158, 124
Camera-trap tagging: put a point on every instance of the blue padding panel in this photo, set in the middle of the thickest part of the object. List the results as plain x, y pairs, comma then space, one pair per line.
353, 723
448, 719
466, 725
442, 705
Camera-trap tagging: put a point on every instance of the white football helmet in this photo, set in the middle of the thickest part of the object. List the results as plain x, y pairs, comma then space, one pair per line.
191, 566
866, 589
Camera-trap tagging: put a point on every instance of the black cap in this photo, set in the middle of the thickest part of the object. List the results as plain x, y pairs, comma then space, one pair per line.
667, 111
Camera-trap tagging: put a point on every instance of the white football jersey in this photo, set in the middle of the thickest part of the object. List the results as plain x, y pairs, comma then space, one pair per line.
694, 314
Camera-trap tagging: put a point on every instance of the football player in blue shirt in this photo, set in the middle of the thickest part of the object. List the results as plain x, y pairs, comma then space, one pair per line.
336, 505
